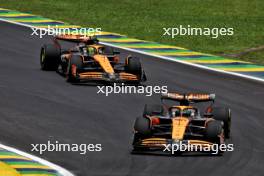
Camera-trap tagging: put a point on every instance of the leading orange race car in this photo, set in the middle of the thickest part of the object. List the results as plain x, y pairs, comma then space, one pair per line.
89, 61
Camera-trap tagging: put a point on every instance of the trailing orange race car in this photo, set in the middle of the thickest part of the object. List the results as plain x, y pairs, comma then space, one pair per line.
89, 61
165, 126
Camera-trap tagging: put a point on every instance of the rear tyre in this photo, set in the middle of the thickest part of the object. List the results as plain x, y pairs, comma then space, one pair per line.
153, 109
49, 57
77, 63
223, 114
134, 66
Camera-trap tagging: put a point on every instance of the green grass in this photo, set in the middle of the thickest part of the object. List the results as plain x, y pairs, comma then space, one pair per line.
145, 19
257, 57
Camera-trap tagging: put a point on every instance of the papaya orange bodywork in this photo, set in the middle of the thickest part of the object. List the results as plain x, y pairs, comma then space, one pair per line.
74, 38
104, 63
179, 125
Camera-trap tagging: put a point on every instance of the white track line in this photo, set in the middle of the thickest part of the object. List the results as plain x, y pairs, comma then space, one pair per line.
60, 170
187, 63
158, 56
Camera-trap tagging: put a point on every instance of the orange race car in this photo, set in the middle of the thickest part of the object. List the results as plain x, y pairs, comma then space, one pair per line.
89, 61
181, 128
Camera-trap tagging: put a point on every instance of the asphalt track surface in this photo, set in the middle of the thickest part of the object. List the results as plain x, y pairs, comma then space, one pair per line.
37, 106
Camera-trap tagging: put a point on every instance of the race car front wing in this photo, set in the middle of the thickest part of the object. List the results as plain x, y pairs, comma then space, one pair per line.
103, 76
173, 146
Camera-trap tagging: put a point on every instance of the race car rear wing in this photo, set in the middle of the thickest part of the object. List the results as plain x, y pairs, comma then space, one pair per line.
186, 99
89, 40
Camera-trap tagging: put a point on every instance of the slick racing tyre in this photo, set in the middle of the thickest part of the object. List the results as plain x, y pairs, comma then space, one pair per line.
153, 109
223, 114
49, 57
134, 66
77, 63
213, 130
142, 126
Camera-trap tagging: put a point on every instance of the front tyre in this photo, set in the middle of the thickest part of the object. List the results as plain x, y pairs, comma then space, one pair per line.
74, 64
214, 131
143, 126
